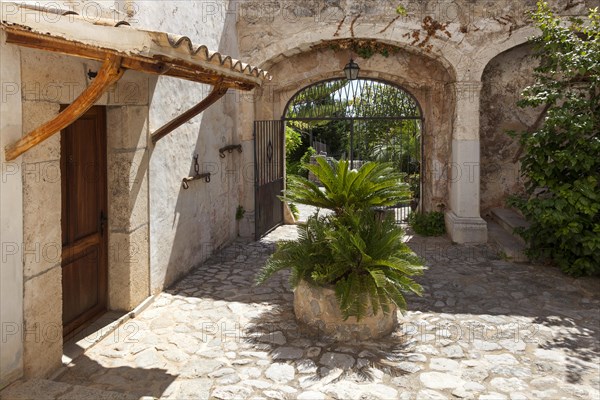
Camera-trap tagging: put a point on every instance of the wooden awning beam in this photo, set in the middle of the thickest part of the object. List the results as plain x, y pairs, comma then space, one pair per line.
110, 73
218, 91
155, 66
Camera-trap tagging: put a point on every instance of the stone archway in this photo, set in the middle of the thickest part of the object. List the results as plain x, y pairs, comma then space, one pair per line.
284, 38
361, 120
423, 76
504, 78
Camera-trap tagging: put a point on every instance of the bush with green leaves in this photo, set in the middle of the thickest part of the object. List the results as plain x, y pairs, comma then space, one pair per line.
293, 140
361, 259
427, 224
345, 190
299, 167
310, 151
561, 159
364, 259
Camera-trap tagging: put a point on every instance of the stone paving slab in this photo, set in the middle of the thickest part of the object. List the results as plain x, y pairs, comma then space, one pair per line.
42, 389
485, 329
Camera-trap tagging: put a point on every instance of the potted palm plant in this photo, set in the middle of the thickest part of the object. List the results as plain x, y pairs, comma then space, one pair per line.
349, 269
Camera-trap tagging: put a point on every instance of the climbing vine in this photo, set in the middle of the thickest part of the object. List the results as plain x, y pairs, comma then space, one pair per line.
368, 48
431, 28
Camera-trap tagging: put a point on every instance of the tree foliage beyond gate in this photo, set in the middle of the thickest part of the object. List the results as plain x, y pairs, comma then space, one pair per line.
561, 160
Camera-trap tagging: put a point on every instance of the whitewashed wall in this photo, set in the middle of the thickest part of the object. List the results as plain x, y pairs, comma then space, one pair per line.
186, 226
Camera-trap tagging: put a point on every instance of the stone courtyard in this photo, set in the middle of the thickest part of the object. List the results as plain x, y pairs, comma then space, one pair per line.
485, 328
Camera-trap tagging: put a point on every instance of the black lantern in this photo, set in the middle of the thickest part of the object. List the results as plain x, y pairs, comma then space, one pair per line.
351, 70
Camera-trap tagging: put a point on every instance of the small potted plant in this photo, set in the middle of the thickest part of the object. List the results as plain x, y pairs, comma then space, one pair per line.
349, 269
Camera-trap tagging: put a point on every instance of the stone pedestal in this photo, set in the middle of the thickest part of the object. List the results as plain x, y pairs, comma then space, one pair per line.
318, 308
466, 229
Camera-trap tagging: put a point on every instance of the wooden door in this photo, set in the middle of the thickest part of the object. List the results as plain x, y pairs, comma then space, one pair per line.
84, 224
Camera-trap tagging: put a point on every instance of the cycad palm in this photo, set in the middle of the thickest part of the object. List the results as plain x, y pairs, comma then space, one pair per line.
346, 190
363, 258
366, 262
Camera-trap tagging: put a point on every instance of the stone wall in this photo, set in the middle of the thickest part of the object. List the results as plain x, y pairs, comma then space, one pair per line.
504, 79
128, 247
458, 36
41, 94
157, 231
466, 33
42, 243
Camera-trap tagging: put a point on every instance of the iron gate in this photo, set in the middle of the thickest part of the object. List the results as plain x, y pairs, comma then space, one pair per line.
363, 120
268, 175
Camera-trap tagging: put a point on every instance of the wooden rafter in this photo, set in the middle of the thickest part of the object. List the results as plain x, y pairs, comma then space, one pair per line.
156, 66
110, 73
218, 91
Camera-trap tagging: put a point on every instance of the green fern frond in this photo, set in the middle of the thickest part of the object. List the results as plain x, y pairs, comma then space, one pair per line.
374, 184
378, 277
373, 295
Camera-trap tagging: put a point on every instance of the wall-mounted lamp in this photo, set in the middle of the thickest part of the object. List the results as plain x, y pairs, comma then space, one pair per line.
351, 70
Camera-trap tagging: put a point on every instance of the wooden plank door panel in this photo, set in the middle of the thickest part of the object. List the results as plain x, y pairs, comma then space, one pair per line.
84, 265
84, 173
77, 274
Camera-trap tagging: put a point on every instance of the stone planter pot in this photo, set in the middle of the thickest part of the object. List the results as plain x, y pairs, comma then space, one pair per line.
318, 308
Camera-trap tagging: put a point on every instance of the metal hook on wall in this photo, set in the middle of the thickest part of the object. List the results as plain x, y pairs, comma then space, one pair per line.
198, 175
229, 149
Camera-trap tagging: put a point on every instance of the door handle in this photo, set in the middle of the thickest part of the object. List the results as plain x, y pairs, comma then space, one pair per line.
103, 221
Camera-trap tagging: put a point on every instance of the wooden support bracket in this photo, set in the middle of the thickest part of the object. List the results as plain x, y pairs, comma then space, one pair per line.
218, 91
110, 73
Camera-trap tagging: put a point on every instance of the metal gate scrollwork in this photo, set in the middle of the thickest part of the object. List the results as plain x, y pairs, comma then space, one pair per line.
363, 120
268, 175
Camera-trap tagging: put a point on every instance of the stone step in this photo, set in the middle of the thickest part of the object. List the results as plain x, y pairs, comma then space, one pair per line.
43, 389
506, 243
509, 220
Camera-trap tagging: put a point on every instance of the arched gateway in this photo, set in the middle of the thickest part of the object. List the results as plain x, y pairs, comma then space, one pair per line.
362, 120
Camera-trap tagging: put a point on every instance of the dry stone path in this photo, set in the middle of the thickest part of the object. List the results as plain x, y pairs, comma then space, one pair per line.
485, 329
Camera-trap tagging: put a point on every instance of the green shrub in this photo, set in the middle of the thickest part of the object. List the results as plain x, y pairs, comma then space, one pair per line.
363, 258
561, 159
428, 224
414, 182
305, 159
293, 140
299, 167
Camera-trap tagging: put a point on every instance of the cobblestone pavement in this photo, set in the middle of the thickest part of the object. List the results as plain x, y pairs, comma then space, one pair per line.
485, 329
